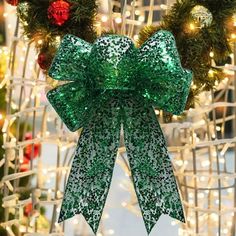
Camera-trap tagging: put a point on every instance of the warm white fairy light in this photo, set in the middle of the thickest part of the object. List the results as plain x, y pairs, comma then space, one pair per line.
75, 221
211, 73
111, 231
137, 12
214, 216
229, 223
179, 162
192, 26
202, 178
127, 13
106, 216
136, 37
118, 20
233, 36
222, 160
104, 18
230, 190
205, 163
173, 223
40, 41
164, 6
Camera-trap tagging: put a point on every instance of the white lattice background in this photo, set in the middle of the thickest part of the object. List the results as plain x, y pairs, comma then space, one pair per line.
202, 144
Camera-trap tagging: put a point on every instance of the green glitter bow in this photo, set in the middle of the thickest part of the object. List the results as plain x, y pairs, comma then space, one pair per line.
114, 85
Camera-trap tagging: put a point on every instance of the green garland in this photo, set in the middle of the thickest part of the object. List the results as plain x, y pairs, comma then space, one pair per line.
38, 28
195, 45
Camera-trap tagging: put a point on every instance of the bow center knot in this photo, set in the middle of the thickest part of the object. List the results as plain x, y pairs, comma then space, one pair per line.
112, 55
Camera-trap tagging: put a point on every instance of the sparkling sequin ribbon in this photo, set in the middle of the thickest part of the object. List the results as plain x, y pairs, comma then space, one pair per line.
113, 84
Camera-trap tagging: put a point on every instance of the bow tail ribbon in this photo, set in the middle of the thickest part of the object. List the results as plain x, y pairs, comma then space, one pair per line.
91, 173
151, 168
92, 168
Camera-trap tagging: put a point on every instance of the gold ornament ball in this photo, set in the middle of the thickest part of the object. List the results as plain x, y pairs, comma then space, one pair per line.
202, 15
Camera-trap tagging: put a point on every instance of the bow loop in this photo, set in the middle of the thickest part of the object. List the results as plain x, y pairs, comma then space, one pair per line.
71, 60
167, 83
74, 104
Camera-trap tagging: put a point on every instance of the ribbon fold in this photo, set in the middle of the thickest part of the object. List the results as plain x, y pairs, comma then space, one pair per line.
112, 83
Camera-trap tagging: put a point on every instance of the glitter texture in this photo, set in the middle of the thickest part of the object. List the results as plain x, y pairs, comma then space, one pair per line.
112, 83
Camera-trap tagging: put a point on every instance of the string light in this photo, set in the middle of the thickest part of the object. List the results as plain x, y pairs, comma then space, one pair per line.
214, 216
106, 216
192, 26
164, 6
111, 231
179, 162
141, 18
211, 54
211, 73
75, 221
136, 37
230, 190
205, 163
233, 36
234, 20
229, 223
222, 160
127, 13
104, 18
173, 223
202, 178
118, 20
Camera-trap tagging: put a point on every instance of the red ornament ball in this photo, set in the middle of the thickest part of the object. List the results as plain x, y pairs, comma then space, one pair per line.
25, 165
59, 12
28, 209
31, 149
13, 2
44, 60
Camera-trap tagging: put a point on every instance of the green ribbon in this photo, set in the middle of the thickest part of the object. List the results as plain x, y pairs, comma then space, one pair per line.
111, 85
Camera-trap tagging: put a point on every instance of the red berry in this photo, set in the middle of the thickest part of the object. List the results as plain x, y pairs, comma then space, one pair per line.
44, 60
